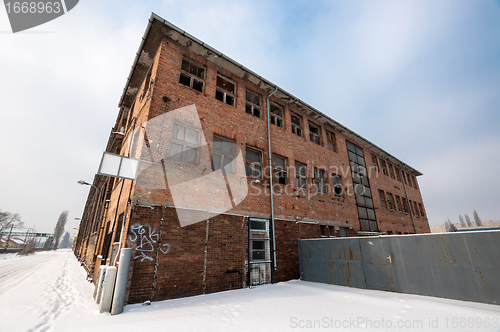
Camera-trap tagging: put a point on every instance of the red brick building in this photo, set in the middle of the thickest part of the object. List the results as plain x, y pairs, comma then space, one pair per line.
202, 212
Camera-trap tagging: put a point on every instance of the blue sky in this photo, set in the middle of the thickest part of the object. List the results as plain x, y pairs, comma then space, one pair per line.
421, 79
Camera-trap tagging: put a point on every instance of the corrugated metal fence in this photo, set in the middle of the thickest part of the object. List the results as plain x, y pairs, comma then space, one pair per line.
462, 266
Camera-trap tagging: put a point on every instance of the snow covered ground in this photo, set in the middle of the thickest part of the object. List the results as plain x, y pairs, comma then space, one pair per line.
48, 292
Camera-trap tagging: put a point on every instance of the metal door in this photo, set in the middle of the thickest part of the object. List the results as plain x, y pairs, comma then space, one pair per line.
378, 264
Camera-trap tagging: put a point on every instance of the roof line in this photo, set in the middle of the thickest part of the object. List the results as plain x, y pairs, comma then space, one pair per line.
220, 54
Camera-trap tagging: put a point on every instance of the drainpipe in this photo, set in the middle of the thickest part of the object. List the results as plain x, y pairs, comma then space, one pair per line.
408, 200
271, 176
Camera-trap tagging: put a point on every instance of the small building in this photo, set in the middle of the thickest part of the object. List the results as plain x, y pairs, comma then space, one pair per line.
221, 171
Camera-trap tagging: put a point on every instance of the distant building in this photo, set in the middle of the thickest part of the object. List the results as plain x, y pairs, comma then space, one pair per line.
200, 215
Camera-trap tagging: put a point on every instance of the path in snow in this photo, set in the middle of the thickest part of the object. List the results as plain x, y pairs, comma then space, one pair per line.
48, 292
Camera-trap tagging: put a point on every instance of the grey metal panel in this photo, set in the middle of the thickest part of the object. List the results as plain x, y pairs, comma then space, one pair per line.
332, 261
377, 262
463, 266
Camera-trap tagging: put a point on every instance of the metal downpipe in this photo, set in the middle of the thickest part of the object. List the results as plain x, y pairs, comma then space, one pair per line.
271, 176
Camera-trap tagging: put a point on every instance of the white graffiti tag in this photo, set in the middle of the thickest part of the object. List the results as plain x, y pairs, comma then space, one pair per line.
147, 237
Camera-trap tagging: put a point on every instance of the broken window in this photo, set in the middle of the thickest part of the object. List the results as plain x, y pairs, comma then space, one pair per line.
253, 103
391, 170
320, 180
296, 124
301, 175
405, 204
421, 210
223, 154
325, 232
409, 179
279, 169
414, 182
374, 161
226, 90
185, 144
390, 201
276, 115
332, 144
192, 75
254, 163
382, 199
314, 133
337, 185
397, 174
416, 208
398, 203
383, 166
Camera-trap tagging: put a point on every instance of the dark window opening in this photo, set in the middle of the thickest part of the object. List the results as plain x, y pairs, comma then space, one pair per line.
279, 169
332, 144
320, 180
254, 163
276, 115
337, 186
192, 75
296, 124
223, 154
253, 104
225, 91
301, 175
314, 133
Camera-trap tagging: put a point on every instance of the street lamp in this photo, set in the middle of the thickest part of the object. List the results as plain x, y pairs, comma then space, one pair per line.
83, 183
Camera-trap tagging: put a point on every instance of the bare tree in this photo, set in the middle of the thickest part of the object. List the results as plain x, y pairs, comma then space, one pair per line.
65, 242
469, 223
449, 226
476, 218
59, 229
10, 220
462, 222
30, 243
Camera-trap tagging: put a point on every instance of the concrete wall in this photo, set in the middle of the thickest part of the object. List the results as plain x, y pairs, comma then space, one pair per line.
463, 266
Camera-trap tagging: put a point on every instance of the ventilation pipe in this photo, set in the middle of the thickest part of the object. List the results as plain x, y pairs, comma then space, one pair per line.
121, 281
271, 176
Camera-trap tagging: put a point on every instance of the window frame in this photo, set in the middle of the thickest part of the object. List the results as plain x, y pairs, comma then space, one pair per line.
279, 170
383, 201
383, 166
391, 170
398, 203
390, 201
185, 144
299, 176
223, 154
225, 92
252, 164
252, 105
276, 118
421, 210
297, 127
193, 77
314, 135
337, 185
320, 182
332, 140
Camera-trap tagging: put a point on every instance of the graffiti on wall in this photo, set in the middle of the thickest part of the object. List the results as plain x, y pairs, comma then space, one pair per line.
146, 236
